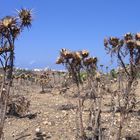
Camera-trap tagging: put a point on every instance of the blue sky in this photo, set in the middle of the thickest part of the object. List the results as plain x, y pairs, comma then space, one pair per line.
72, 24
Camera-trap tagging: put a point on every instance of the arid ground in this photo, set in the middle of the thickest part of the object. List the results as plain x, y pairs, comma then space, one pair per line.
53, 113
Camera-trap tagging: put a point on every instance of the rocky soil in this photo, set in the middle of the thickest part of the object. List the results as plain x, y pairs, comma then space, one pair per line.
52, 116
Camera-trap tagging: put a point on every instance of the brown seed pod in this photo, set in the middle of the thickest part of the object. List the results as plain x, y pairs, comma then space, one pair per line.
65, 53
128, 36
68, 55
130, 44
77, 56
137, 36
137, 44
26, 17
59, 60
84, 53
94, 60
8, 22
114, 41
89, 61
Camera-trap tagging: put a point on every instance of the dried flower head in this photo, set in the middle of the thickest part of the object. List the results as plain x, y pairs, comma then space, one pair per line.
114, 41
25, 17
77, 56
65, 53
128, 36
137, 36
8, 22
130, 44
59, 60
84, 53
137, 43
90, 60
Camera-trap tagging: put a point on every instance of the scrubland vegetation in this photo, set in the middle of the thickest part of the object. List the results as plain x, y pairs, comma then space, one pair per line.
80, 103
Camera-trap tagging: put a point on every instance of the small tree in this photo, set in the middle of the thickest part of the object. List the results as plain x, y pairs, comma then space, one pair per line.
10, 28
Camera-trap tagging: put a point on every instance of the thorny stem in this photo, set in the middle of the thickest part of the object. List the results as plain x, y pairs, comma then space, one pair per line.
120, 58
7, 87
123, 111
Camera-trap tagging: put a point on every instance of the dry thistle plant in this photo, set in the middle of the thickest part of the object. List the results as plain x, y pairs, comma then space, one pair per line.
43, 81
75, 63
72, 62
10, 28
95, 85
18, 106
126, 48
